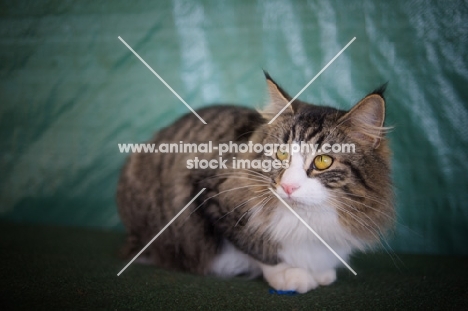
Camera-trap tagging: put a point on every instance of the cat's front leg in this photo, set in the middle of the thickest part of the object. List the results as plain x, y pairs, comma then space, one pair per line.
286, 277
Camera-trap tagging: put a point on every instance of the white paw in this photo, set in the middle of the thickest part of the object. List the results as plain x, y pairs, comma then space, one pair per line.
325, 277
299, 280
283, 277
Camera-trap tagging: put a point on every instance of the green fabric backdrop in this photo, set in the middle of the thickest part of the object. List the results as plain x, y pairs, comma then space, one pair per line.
70, 91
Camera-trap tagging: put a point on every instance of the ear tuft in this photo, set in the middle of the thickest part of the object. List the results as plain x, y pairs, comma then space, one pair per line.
278, 97
380, 90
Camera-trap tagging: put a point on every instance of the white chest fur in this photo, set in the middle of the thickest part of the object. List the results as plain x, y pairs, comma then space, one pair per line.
301, 248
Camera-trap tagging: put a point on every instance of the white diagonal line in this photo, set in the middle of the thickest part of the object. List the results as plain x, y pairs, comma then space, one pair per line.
313, 79
162, 80
311, 230
162, 230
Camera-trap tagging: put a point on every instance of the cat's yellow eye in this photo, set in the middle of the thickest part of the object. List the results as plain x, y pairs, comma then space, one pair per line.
322, 162
282, 155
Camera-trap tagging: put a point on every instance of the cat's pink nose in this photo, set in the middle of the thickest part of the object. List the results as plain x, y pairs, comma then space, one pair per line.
289, 188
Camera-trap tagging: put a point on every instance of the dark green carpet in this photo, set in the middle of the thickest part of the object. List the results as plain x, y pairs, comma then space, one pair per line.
69, 268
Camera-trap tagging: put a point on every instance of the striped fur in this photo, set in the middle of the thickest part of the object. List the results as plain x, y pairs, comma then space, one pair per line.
237, 212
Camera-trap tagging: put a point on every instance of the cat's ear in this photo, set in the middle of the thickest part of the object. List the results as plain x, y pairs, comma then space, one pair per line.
366, 119
278, 98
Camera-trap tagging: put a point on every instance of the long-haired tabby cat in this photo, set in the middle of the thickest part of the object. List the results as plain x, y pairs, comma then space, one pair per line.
237, 226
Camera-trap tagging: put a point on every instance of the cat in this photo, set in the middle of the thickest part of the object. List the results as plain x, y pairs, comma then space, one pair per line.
237, 226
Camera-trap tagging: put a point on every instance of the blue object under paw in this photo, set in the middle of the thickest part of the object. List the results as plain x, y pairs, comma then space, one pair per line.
283, 292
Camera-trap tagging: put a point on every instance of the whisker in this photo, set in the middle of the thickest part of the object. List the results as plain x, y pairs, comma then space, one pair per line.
219, 193
389, 216
378, 234
259, 208
255, 173
365, 197
261, 202
236, 177
244, 172
241, 204
371, 207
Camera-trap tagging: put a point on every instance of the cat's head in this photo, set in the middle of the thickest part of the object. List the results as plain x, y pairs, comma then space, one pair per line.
355, 182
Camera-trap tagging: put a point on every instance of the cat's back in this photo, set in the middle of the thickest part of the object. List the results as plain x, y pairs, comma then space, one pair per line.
166, 162
223, 123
